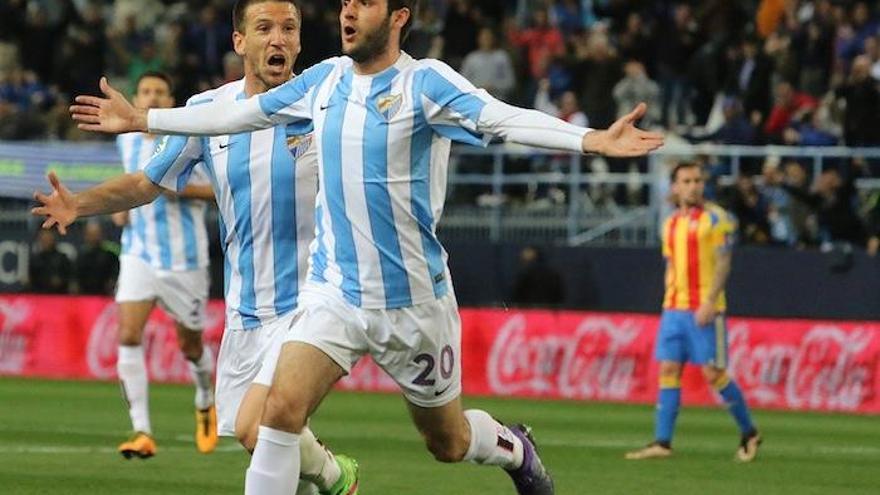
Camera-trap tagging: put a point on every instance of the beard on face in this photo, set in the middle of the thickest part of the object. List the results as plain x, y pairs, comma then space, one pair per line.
372, 45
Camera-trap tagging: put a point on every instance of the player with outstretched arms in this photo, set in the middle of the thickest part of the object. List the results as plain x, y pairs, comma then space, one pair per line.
378, 282
265, 184
164, 260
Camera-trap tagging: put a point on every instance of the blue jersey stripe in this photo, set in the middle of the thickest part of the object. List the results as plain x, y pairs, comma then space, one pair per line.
420, 173
319, 257
163, 231
446, 94
238, 172
460, 134
170, 148
190, 244
294, 90
346, 254
283, 231
375, 170
131, 166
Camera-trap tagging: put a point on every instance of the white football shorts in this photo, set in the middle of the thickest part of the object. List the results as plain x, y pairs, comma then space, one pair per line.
182, 294
241, 363
419, 346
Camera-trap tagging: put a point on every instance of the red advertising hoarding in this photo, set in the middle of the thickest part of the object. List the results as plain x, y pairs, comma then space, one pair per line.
790, 364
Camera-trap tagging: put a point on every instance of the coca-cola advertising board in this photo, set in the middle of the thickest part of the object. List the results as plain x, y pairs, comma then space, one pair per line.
788, 364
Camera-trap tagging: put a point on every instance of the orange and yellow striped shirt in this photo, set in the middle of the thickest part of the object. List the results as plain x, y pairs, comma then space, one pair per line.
691, 242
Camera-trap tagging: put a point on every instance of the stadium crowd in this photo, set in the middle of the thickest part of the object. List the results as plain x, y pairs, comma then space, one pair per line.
796, 72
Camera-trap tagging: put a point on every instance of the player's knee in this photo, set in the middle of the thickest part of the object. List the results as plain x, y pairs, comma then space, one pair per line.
285, 413
447, 448
128, 337
247, 436
717, 378
670, 370
191, 348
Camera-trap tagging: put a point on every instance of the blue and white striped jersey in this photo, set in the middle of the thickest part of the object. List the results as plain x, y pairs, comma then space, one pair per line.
383, 145
168, 234
265, 184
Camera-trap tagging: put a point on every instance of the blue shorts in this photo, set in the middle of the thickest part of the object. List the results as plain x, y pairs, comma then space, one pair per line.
680, 340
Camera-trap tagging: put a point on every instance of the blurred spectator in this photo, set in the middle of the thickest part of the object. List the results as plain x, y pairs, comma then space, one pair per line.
12, 19
567, 109
542, 43
38, 40
750, 209
736, 129
49, 269
489, 67
750, 77
636, 88
459, 32
676, 42
426, 40
635, 42
862, 105
97, 265
790, 105
596, 70
779, 204
833, 199
567, 16
815, 53
861, 27
801, 212
809, 132
84, 51
536, 284
208, 40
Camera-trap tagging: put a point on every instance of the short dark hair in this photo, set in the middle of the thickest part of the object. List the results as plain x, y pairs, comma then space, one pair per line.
681, 166
156, 75
413, 6
240, 7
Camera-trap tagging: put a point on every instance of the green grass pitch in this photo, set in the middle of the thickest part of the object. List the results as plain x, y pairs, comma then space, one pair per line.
60, 437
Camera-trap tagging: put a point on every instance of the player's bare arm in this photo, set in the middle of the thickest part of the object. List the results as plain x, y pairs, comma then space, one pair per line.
194, 191
62, 207
706, 312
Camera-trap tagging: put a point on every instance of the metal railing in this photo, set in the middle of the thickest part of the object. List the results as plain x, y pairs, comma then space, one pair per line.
514, 193
586, 208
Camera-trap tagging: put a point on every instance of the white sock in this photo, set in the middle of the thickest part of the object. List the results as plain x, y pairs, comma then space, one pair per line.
318, 464
492, 443
202, 372
274, 468
132, 371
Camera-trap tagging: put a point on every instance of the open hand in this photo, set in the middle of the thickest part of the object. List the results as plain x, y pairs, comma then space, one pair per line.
623, 138
112, 114
59, 208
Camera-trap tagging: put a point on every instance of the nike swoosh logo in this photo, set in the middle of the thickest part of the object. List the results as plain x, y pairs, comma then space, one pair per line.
224, 146
325, 107
438, 393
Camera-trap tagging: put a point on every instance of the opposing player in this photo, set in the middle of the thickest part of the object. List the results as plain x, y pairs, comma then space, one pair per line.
265, 183
378, 281
697, 248
164, 260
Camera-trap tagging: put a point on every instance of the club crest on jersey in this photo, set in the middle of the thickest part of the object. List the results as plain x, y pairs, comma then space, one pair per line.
298, 145
389, 105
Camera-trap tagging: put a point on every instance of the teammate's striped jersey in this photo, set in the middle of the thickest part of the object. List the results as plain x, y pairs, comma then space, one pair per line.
691, 242
168, 234
383, 145
265, 184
